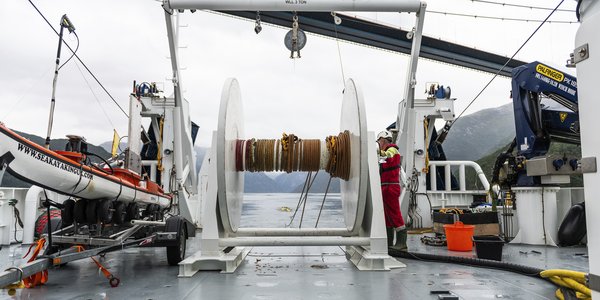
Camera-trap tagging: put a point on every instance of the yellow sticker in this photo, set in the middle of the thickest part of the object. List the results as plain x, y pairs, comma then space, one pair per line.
549, 72
563, 116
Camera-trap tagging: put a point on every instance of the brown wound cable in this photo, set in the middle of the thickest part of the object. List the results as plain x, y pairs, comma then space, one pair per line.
253, 155
297, 151
238, 153
247, 147
277, 156
290, 154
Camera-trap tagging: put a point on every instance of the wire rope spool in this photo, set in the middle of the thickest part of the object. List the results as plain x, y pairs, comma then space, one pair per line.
230, 129
354, 190
343, 156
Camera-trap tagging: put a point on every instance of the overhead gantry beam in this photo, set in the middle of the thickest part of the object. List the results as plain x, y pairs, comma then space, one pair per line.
297, 5
315, 17
389, 38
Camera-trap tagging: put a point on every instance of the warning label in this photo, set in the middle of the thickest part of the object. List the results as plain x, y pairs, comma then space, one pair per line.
550, 73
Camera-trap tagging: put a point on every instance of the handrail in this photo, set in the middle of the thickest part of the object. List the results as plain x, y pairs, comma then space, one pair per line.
447, 164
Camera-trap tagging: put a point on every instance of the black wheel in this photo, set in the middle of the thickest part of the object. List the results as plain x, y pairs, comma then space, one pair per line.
119, 214
105, 211
156, 212
79, 211
90, 212
148, 210
133, 212
67, 212
176, 253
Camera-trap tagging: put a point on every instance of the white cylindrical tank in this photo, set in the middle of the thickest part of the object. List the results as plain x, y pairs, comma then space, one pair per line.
537, 215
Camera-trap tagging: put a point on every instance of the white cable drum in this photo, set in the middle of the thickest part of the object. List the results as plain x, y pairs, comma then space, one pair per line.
354, 191
230, 183
298, 5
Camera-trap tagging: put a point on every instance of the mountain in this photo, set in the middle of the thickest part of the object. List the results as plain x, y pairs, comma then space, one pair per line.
319, 184
260, 183
487, 163
108, 146
476, 135
472, 137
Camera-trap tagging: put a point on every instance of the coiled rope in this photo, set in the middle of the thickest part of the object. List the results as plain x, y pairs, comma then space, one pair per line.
292, 154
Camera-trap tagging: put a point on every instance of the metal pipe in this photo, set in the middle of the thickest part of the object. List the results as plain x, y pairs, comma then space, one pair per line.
246, 232
52, 100
297, 5
461, 177
294, 241
13, 275
144, 222
433, 177
448, 177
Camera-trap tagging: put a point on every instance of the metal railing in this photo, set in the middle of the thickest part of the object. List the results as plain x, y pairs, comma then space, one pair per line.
461, 164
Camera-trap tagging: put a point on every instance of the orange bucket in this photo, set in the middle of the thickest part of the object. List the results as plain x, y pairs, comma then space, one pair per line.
459, 236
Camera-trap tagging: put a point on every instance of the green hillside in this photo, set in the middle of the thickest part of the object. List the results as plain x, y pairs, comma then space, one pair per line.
487, 163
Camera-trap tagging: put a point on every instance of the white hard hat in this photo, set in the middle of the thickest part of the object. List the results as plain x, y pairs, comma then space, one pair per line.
385, 135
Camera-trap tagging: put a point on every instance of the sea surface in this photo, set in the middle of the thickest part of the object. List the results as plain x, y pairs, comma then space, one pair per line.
281, 210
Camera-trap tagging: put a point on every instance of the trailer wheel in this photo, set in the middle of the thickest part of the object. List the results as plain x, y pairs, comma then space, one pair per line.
67, 212
149, 211
90, 212
79, 211
119, 214
105, 211
133, 212
176, 253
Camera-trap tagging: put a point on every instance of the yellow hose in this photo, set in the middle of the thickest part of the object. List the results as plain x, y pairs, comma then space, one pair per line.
574, 280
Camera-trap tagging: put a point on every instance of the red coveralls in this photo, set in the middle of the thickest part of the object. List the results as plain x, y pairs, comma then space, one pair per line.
389, 172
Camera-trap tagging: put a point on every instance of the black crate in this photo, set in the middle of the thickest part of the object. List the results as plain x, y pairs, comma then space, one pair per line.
489, 217
489, 247
467, 218
443, 218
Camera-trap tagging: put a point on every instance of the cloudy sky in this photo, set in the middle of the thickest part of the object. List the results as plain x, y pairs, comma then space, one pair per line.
122, 41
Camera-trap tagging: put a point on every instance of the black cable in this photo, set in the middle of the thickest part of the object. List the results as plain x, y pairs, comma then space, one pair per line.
70, 57
112, 171
323, 203
499, 18
79, 59
505, 64
17, 215
577, 12
473, 262
521, 6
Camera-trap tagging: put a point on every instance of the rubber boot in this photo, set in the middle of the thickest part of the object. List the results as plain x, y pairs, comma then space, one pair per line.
401, 237
390, 235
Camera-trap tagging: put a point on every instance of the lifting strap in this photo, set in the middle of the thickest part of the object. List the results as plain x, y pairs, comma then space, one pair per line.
112, 280
40, 277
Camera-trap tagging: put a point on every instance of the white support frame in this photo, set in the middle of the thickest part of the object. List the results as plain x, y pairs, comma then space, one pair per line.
184, 155
297, 5
366, 247
373, 257
411, 139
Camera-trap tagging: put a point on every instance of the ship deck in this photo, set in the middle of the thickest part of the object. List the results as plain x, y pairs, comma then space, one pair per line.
299, 273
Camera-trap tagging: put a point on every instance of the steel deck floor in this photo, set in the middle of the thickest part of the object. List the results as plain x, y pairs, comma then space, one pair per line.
298, 273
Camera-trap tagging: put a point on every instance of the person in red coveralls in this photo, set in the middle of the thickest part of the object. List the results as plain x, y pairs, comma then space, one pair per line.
389, 171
